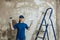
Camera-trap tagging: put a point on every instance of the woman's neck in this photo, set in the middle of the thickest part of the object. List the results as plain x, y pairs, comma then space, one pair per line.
21, 22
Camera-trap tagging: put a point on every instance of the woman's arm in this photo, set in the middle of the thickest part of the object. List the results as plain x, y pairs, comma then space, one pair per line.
30, 25
11, 26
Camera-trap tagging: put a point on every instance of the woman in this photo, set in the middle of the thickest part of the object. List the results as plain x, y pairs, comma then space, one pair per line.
21, 26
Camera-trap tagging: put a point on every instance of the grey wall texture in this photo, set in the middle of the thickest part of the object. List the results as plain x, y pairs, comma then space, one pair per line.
32, 10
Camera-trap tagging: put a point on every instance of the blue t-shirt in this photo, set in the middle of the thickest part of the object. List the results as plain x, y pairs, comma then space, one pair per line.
20, 29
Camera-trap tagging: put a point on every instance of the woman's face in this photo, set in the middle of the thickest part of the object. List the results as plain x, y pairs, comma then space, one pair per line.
21, 19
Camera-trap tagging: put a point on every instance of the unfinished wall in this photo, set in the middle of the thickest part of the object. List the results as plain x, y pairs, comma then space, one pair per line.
58, 18
31, 9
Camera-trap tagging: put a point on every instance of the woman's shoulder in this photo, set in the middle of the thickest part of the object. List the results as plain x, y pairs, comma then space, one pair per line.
25, 23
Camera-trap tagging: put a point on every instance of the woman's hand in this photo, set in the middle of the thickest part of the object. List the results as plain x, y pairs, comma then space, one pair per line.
30, 24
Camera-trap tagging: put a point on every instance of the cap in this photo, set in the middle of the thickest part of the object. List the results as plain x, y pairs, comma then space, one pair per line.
21, 16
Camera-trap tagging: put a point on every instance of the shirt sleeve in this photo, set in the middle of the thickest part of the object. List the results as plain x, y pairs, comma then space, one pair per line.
26, 26
15, 26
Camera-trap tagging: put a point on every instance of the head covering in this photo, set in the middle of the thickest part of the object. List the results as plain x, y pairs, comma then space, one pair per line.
21, 16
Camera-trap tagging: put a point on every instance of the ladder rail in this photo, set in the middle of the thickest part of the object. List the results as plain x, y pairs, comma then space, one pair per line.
47, 35
45, 32
52, 22
46, 26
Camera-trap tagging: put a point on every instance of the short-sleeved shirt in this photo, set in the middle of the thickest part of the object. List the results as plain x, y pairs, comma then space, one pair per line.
20, 29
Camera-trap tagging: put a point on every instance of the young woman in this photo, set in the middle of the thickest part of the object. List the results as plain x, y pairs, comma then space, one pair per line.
21, 26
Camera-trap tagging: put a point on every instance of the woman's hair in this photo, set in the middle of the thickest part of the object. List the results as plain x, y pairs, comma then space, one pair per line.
19, 21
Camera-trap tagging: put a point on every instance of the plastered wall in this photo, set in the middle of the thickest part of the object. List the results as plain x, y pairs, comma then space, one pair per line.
58, 19
32, 10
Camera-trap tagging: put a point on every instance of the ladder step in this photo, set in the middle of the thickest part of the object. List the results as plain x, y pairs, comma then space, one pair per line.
45, 25
40, 37
42, 31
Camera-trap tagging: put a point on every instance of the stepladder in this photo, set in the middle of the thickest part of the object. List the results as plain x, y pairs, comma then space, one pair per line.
43, 34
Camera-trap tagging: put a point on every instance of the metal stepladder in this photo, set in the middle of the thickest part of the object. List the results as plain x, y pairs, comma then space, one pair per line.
46, 25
